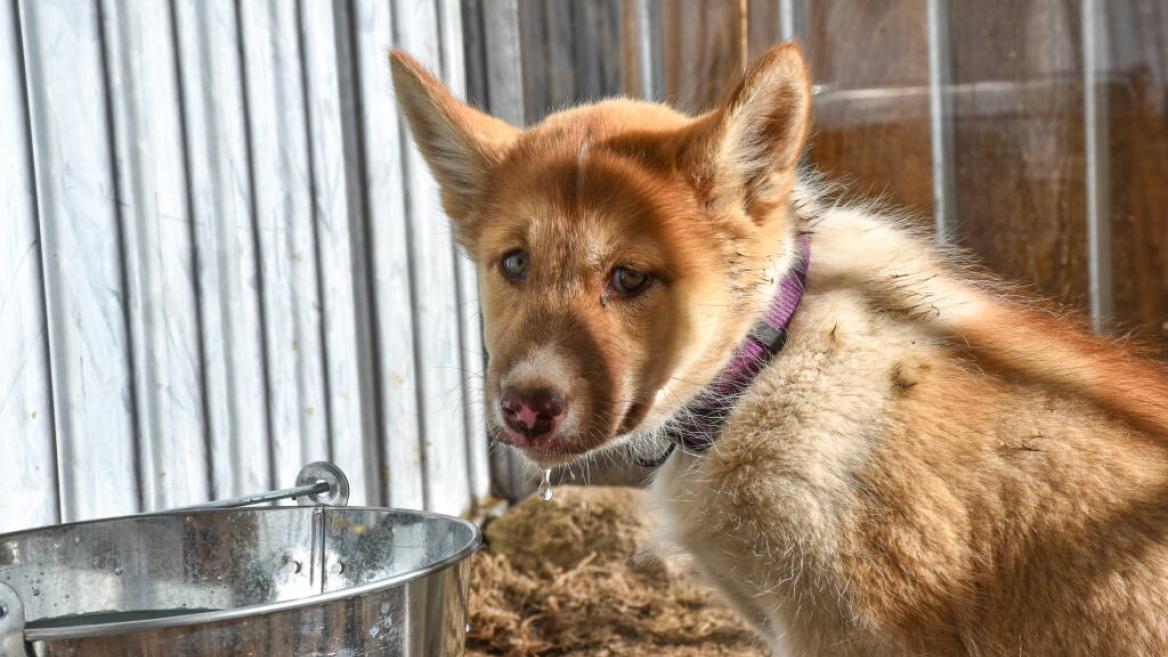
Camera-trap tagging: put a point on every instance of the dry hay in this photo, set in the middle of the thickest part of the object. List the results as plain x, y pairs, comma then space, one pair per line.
572, 577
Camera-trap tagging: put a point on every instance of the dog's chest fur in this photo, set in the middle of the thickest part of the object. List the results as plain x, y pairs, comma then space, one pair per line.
876, 494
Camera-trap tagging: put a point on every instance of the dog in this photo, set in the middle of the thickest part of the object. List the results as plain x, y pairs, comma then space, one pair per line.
870, 446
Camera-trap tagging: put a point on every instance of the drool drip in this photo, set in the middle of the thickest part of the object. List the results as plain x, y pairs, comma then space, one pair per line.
545, 486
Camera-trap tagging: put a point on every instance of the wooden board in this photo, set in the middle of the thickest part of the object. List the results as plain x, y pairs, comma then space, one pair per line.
704, 49
871, 124
597, 48
1018, 141
1137, 108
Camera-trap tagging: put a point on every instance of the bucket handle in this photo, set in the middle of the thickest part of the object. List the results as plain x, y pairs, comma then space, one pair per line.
318, 484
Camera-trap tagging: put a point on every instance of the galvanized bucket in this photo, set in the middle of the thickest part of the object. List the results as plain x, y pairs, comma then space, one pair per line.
307, 580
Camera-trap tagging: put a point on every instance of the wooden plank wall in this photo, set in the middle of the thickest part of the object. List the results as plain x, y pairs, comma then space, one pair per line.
222, 258
1005, 153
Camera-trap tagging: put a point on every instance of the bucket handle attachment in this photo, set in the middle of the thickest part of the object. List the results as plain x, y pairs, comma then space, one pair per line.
318, 484
12, 624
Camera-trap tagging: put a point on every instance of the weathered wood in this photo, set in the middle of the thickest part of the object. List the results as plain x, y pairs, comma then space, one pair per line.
1018, 141
597, 49
1138, 128
871, 128
225, 250
26, 410
763, 26
474, 52
534, 46
504, 64
84, 293
638, 34
704, 50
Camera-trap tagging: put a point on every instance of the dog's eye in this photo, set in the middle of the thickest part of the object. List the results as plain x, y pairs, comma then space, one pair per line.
514, 265
629, 281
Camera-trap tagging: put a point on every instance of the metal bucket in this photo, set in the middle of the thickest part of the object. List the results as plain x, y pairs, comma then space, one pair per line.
309, 580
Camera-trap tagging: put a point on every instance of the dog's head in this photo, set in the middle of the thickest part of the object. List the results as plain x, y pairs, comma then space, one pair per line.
623, 249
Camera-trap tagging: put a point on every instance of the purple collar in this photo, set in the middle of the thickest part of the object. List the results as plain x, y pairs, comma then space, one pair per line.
697, 428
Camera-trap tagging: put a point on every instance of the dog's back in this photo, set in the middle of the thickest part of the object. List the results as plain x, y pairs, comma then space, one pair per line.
886, 488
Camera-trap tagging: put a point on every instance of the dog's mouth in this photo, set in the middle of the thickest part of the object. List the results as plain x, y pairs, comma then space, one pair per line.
548, 451
562, 447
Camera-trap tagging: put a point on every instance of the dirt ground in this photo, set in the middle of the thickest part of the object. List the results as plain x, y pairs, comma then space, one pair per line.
574, 576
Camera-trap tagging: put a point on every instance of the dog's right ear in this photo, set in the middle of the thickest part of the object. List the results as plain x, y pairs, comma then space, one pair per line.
461, 144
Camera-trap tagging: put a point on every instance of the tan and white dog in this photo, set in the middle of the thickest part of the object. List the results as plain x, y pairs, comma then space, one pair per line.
932, 465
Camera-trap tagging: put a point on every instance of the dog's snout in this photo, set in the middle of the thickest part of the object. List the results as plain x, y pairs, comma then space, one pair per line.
533, 414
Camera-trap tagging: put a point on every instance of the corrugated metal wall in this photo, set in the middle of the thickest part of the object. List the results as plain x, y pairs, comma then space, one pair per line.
221, 257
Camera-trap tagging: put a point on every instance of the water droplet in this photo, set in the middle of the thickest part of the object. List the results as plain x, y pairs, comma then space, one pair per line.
36, 592
119, 570
468, 628
545, 486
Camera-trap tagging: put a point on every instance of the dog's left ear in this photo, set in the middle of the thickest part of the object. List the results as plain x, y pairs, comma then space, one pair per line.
750, 145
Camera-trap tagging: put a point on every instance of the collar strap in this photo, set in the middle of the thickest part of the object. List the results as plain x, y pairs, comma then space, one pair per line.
698, 427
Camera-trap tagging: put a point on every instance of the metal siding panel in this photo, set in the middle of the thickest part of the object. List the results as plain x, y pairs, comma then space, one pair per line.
471, 345
192, 177
220, 189
504, 60
435, 296
941, 117
389, 259
353, 445
85, 299
157, 251
504, 83
435, 302
26, 412
1097, 151
287, 252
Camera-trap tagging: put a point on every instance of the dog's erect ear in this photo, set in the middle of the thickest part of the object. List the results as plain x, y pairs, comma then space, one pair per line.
750, 145
460, 143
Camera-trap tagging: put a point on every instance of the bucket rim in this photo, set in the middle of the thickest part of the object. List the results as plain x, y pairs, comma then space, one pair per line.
235, 613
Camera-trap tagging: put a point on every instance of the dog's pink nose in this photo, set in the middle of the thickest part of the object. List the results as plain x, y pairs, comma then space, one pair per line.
532, 413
